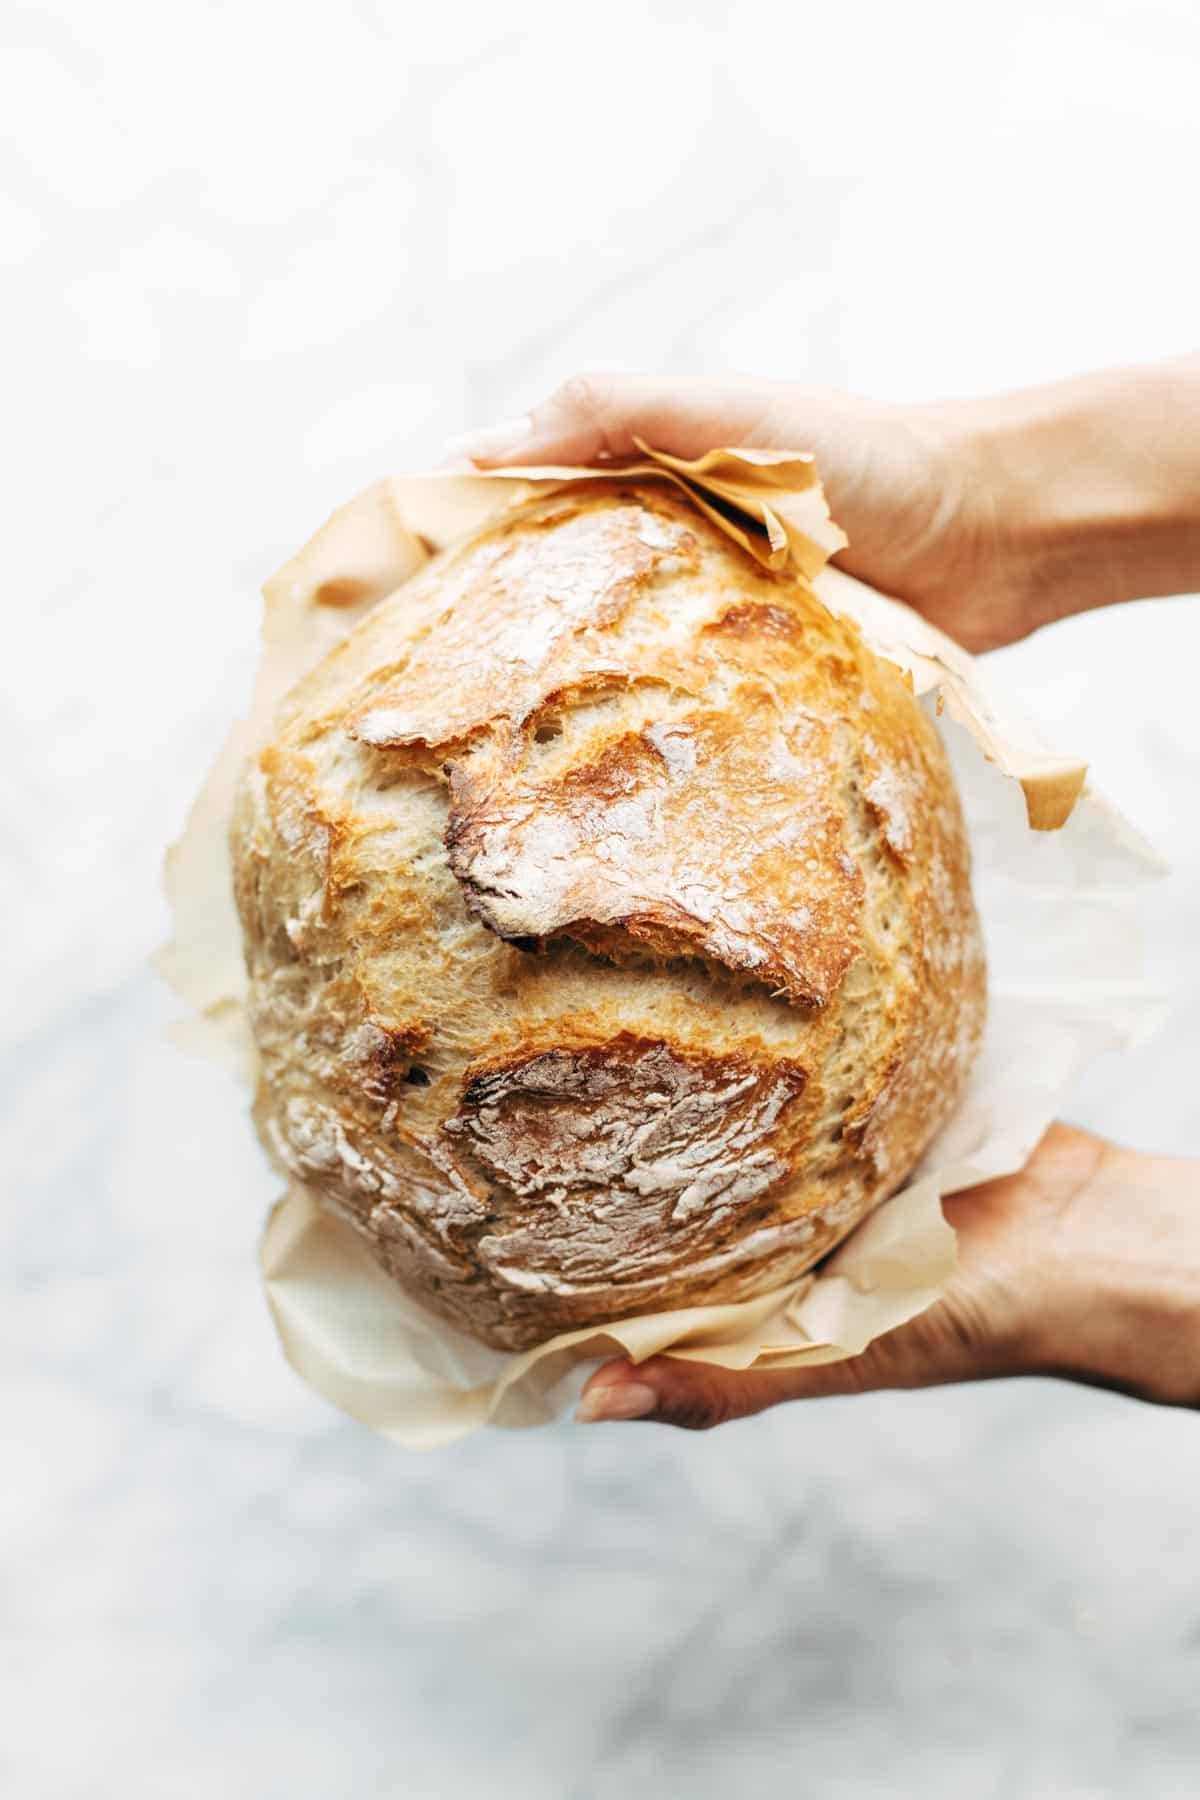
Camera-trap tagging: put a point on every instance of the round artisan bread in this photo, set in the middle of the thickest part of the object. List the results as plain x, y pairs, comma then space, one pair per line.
608, 920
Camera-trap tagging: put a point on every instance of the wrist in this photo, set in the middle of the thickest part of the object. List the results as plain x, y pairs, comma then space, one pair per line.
1120, 1305
1092, 486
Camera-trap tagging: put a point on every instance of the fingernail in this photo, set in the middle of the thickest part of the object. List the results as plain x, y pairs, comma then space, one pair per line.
617, 1400
494, 442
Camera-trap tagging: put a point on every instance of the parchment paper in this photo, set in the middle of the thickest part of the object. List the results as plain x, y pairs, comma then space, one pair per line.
1051, 863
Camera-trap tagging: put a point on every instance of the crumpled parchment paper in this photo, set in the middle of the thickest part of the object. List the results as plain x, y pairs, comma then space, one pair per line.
1054, 866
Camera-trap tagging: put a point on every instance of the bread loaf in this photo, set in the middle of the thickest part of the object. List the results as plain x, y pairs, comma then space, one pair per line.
608, 921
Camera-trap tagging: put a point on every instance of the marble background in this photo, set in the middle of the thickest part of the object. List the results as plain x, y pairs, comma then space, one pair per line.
255, 255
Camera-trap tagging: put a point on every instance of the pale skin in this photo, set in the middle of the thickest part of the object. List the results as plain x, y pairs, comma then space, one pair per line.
993, 517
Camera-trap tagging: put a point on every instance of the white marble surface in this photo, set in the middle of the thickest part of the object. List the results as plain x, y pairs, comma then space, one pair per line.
255, 255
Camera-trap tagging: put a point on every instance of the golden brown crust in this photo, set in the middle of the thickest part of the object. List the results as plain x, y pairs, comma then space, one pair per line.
522, 612
607, 910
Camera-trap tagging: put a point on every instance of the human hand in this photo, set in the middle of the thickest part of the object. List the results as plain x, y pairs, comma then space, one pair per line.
992, 517
1086, 1265
903, 482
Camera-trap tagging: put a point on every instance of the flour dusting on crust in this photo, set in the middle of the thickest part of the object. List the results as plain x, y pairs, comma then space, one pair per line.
608, 922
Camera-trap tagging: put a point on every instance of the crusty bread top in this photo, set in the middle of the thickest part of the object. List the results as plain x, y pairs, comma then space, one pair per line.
608, 918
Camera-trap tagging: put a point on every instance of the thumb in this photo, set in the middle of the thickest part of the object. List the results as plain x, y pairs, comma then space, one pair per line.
697, 1395
593, 417
956, 1340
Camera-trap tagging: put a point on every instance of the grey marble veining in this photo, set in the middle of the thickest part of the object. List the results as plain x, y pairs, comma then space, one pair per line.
252, 258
